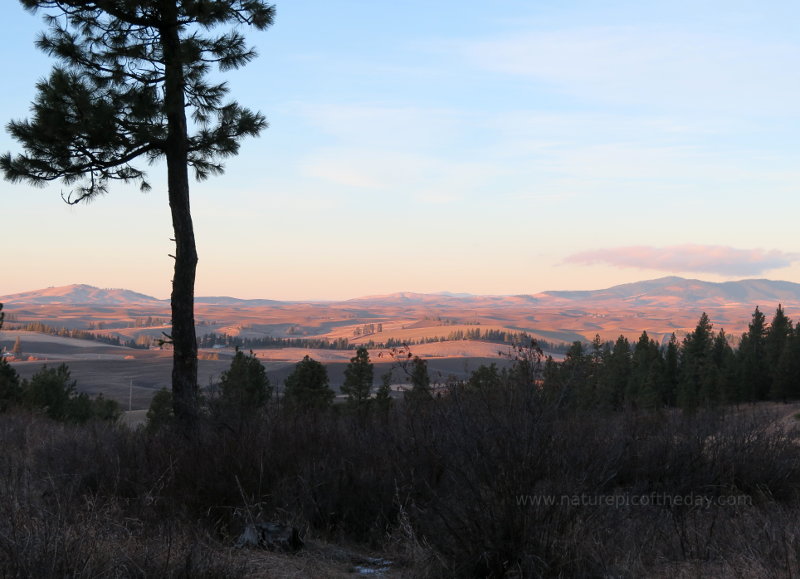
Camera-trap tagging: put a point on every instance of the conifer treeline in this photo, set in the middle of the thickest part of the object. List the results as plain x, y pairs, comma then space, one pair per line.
701, 370
81, 335
268, 342
494, 336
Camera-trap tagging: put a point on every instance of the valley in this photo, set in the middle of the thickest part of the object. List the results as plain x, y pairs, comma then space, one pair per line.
455, 333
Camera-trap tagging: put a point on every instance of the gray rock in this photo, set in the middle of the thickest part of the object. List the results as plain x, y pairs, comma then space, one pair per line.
270, 536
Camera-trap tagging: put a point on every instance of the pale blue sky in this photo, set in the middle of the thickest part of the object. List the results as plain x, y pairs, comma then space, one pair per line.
505, 147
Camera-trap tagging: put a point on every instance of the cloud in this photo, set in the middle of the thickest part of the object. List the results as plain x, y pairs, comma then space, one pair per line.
714, 259
371, 126
426, 178
650, 65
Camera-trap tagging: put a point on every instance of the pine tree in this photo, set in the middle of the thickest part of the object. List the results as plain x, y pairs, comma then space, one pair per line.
646, 386
695, 364
50, 389
715, 387
128, 74
485, 378
17, 348
245, 385
552, 387
420, 381
776, 340
383, 397
616, 374
752, 359
575, 375
727, 388
671, 371
358, 376
10, 388
307, 386
786, 385
160, 413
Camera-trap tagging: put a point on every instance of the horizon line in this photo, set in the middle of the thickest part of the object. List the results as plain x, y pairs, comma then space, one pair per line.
445, 293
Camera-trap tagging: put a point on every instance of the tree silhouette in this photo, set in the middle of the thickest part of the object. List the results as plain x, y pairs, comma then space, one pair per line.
17, 348
127, 74
420, 381
10, 390
777, 338
245, 384
696, 364
358, 377
753, 363
307, 386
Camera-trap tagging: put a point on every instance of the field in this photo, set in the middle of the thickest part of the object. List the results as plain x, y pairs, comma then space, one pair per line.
430, 323
132, 376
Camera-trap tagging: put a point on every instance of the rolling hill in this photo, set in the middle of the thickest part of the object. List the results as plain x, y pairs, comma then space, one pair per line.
666, 291
660, 307
79, 294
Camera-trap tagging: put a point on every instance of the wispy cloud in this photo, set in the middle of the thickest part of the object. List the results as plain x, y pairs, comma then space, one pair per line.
374, 125
649, 65
714, 259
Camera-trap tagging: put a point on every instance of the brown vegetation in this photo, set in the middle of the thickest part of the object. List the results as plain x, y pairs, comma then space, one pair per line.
453, 486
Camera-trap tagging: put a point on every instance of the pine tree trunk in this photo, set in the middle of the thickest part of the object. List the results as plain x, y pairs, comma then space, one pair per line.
184, 360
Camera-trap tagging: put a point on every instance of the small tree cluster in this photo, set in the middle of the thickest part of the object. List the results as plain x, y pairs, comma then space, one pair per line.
53, 392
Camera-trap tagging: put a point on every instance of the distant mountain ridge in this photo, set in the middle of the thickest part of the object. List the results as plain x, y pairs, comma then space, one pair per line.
680, 290
667, 292
80, 294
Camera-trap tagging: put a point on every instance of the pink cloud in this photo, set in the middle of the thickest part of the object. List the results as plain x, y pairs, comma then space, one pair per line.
717, 259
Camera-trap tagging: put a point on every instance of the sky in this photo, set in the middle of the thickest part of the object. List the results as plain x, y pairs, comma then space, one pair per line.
509, 147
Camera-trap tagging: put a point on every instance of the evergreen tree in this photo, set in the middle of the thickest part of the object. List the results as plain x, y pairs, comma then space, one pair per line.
620, 362
714, 387
752, 360
485, 378
358, 378
49, 389
526, 357
54, 391
128, 74
103, 408
646, 386
727, 388
307, 386
776, 340
420, 380
17, 349
615, 374
786, 385
10, 388
383, 397
551, 383
160, 413
245, 384
695, 364
671, 371
575, 375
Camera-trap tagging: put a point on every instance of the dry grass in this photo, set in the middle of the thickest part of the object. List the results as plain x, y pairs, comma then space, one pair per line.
433, 487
